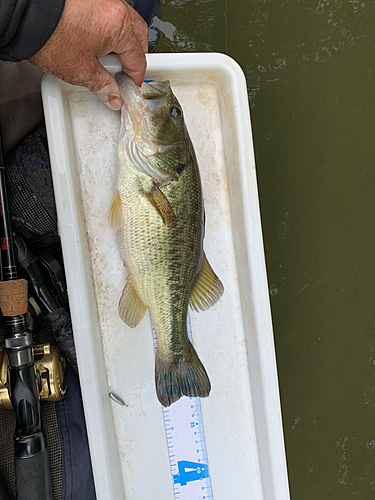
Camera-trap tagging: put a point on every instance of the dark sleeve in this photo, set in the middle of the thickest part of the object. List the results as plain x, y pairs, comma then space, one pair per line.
26, 25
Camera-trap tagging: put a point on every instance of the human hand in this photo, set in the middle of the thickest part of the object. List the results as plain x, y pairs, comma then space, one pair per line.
87, 30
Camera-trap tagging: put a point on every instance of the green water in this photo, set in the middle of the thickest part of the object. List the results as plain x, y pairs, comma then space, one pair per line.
310, 68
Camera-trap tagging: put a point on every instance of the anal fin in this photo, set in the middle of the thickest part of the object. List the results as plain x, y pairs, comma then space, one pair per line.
131, 309
207, 288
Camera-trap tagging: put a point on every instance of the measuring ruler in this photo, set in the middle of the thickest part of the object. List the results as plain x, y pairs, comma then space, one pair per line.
187, 447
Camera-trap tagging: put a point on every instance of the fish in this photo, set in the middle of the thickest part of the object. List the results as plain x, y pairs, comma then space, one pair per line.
158, 214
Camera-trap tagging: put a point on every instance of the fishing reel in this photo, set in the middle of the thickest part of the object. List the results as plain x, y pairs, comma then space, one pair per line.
50, 374
48, 296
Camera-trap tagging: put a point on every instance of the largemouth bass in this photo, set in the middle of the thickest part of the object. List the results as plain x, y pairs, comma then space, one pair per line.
157, 212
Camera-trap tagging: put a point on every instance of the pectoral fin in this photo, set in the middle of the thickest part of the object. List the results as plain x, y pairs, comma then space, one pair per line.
115, 214
207, 289
131, 309
162, 205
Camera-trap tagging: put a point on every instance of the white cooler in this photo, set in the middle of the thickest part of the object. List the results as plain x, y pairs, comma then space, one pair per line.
238, 439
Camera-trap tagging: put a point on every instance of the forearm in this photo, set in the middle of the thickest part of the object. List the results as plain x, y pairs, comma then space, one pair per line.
26, 25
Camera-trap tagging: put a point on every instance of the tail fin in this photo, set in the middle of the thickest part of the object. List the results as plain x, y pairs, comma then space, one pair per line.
180, 375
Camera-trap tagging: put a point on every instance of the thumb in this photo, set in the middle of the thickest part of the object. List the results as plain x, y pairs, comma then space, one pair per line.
103, 85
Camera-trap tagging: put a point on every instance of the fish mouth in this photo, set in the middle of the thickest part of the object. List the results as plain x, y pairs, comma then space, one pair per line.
132, 96
147, 92
127, 84
140, 101
136, 142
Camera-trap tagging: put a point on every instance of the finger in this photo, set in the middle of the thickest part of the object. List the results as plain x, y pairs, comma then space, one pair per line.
136, 69
132, 57
103, 85
140, 29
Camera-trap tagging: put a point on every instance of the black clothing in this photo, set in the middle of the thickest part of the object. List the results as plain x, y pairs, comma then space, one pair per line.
26, 25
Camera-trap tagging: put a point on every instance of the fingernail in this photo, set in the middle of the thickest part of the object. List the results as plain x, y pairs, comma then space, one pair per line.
110, 96
114, 102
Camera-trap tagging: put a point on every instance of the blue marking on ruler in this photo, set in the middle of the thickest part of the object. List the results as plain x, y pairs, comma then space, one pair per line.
190, 471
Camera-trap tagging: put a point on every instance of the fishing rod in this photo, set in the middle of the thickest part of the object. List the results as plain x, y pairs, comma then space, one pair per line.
31, 465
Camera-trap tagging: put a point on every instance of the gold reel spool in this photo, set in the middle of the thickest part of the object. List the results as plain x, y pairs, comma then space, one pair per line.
5, 403
50, 373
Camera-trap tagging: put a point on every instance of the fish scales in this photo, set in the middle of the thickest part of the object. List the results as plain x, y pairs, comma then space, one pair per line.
162, 260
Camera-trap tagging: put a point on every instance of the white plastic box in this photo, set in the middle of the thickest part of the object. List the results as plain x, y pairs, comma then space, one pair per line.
241, 417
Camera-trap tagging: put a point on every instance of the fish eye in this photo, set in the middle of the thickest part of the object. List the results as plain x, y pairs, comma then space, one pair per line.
175, 112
